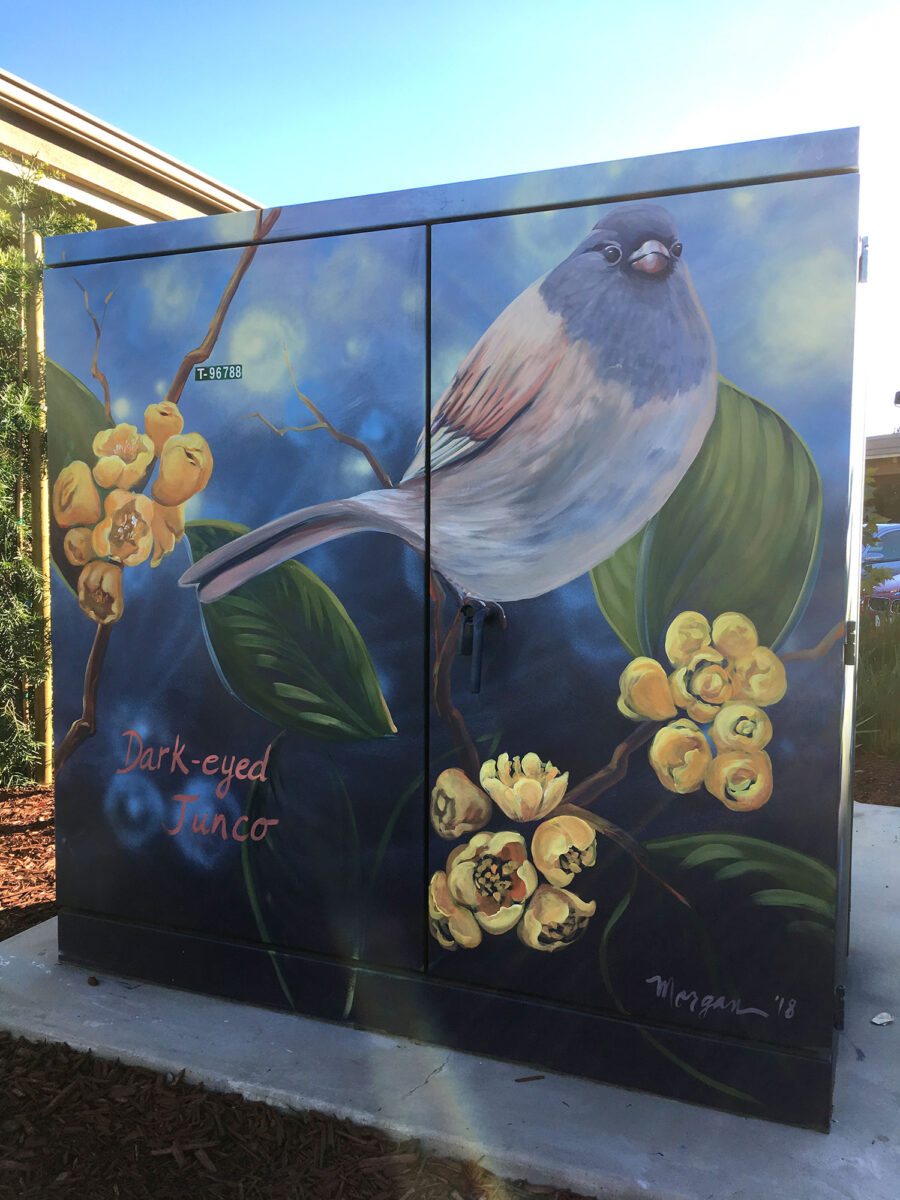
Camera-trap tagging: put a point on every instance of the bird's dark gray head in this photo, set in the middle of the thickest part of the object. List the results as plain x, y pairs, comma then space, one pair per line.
626, 292
640, 239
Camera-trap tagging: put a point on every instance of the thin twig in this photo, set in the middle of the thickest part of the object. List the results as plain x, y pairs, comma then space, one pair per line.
622, 839
322, 422
833, 635
86, 725
443, 698
98, 329
592, 787
201, 354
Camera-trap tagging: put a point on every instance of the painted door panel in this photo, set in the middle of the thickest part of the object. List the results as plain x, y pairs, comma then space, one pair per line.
341, 320
750, 952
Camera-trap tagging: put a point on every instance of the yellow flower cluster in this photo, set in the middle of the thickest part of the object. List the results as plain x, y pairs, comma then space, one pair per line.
489, 884
125, 528
722, 679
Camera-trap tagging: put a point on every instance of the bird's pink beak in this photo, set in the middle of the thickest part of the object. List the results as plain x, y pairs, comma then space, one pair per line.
652, 257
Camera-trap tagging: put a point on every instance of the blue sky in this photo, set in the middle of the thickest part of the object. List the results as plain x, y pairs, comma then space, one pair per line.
305, 101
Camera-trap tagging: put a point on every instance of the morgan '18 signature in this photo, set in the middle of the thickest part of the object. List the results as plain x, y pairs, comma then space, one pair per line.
666, 989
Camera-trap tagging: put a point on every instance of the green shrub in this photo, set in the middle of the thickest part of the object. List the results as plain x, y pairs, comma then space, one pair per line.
24, 653
878, 686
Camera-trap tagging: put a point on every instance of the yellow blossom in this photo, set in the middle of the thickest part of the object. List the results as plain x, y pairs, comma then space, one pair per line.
126, 533
680, 755
100, 591
457, 805
492, 877
123, 456
167, 528
77, 545
525, 789
644, 691
740, 726
162, 421
75, 499
741, 779
185, 465
450, 924
684, 637
562, 847
554, 919
702, 686
759, 677
734, 634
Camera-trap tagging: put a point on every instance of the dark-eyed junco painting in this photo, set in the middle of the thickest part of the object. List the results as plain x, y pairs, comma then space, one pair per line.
565, 428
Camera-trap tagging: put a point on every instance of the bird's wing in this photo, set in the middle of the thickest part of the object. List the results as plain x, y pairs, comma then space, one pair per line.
496, 381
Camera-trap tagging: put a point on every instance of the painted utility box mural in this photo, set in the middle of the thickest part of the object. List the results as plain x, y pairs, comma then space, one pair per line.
449, 613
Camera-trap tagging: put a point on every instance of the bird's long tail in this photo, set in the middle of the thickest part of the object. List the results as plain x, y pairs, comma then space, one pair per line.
395, 511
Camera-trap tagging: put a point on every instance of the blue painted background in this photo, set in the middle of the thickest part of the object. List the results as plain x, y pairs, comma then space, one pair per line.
773, 265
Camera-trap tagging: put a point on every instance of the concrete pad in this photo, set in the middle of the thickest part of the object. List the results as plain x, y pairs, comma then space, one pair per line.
594, 1139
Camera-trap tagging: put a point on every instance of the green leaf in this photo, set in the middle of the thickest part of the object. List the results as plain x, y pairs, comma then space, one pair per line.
785, 898
729, 856
800, 882
74, 417
284, 645
614, 582
741, 532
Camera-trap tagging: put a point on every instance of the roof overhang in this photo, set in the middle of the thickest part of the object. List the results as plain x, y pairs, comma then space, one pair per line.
112, 176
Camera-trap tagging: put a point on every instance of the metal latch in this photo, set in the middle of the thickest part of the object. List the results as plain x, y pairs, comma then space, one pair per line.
850, 645
839, 993
475, 614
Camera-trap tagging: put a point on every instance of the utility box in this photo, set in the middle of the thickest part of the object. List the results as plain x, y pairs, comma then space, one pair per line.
451, 607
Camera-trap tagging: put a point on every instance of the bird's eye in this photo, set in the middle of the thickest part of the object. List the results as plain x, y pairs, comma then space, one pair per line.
612, 254
675, 249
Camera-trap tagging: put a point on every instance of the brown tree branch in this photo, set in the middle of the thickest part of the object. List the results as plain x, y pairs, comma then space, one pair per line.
819, 651
98, 329
86, 725
448, 646
322, 422
202, 352
614, 771
622, 839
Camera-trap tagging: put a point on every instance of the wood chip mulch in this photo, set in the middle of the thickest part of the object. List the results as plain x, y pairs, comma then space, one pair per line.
75, 1127
72, 1125
27, 859
876, 779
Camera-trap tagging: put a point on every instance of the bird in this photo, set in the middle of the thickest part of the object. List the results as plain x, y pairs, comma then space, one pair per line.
563, 431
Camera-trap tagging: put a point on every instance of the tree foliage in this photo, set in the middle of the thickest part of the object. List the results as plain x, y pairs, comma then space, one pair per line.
25, 206
872, 574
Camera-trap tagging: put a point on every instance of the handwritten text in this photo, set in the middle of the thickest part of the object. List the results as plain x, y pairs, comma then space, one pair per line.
666, 989
176, 759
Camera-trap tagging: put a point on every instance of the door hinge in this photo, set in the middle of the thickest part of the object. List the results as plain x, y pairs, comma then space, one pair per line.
839, 993
850, 645
863, 259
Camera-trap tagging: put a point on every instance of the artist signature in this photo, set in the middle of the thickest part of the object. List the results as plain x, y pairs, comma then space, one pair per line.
676, 997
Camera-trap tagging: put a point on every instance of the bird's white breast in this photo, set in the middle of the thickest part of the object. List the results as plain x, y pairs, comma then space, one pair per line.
571, 479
